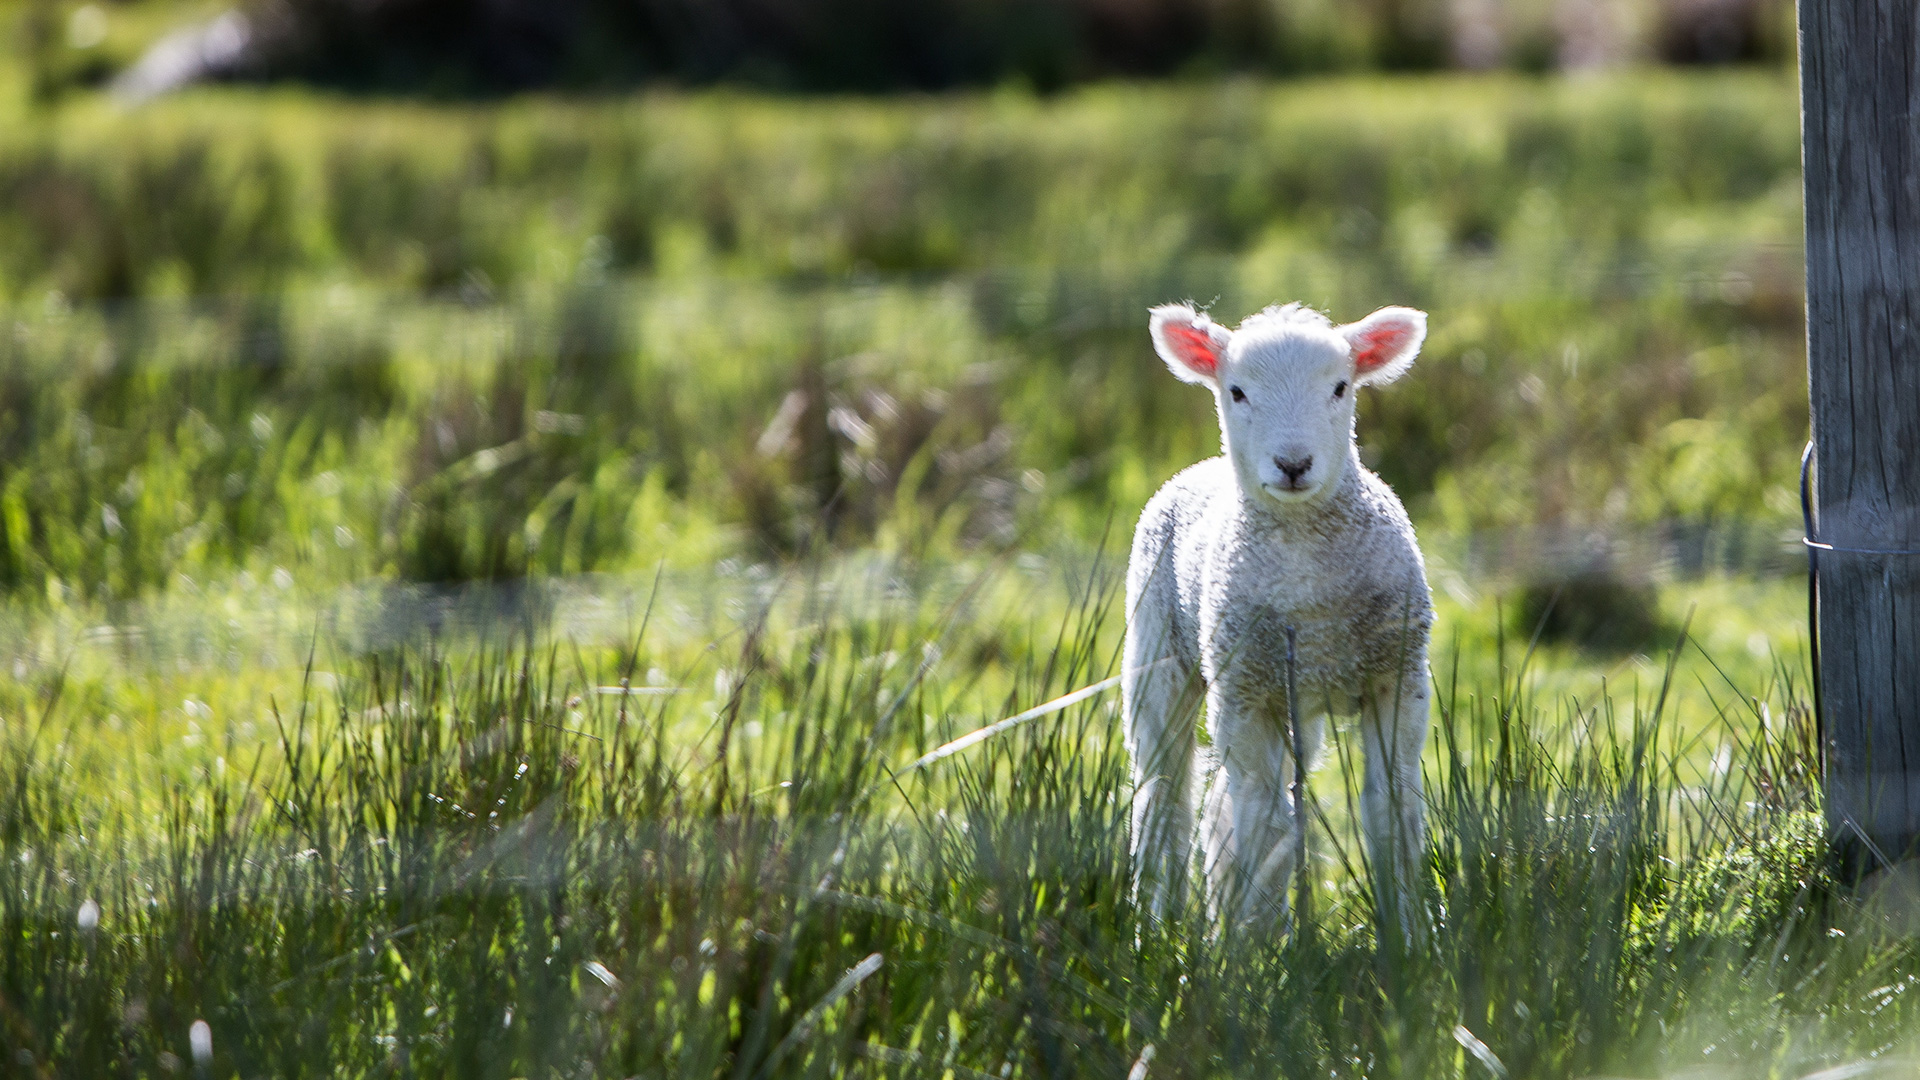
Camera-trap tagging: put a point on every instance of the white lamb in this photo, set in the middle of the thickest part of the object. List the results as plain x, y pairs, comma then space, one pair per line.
1286, 529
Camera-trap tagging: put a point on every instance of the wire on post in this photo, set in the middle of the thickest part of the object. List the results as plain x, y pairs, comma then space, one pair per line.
1813, 596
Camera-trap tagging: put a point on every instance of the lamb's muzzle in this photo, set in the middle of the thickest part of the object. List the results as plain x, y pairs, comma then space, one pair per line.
1294, 469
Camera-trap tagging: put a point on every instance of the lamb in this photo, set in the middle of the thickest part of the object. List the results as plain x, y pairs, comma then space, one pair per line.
1284, 533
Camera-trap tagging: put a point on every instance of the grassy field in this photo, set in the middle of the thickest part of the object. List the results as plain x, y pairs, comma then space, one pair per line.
667, 860
475, 579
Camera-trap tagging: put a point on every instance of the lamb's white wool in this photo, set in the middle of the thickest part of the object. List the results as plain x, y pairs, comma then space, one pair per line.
1285, 529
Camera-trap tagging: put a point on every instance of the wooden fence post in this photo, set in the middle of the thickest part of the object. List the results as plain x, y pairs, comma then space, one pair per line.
1860, 132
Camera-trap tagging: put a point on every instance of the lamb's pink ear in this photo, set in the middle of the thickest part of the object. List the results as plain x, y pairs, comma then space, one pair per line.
1188, 341
1385, 343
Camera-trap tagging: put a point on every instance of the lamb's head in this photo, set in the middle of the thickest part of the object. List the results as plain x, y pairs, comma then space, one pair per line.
1284, 384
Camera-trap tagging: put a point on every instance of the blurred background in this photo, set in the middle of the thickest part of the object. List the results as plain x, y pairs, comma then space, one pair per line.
302, 295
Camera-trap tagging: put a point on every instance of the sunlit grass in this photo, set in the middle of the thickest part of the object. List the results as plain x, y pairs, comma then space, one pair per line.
471, 858
177, 682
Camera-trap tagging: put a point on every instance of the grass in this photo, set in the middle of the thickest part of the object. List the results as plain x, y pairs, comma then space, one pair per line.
352, 451
475, 859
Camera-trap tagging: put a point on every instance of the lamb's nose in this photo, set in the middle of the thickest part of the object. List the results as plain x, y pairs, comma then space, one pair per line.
1294, 469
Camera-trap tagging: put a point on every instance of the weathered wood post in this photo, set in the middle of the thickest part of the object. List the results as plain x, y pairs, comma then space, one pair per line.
1860, 131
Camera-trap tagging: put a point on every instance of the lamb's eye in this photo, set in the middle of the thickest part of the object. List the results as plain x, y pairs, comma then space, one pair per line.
1340, 388
1237, 395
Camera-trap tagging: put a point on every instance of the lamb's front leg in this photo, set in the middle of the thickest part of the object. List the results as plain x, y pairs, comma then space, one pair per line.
1394, 715
1251, 840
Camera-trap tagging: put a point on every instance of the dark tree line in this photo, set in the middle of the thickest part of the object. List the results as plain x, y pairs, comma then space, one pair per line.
459, 47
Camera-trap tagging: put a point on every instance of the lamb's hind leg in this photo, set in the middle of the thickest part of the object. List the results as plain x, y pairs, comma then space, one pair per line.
1160, 700
1394, 725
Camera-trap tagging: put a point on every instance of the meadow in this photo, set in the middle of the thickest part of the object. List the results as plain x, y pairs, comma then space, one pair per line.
477, 578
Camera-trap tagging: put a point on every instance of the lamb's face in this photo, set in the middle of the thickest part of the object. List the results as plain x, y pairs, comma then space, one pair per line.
1284, 385
1286, 410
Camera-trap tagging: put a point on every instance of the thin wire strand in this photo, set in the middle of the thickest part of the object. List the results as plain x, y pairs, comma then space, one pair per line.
1818, 546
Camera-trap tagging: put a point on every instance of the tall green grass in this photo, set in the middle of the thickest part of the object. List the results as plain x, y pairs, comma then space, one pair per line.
515, 859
